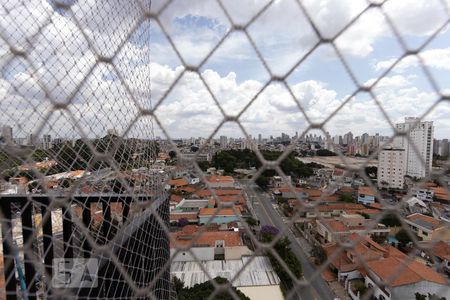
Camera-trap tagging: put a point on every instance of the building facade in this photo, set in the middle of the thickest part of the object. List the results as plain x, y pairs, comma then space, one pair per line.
418, 145
391, 168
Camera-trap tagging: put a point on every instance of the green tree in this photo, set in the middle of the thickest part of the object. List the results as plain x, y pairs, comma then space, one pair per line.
346, 197
172, 154
262, 181
360, 287
251, 221
390, 220
325, 152
319, 254
282, 247
403, 238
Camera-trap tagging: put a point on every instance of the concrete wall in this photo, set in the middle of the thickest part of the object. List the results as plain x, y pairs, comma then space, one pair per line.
201, 253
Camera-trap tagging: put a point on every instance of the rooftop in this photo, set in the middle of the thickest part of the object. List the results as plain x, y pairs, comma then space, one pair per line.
424, 221
217, 212
177, 182
217, 178
257, 271
192, 235
399, 271
366, 190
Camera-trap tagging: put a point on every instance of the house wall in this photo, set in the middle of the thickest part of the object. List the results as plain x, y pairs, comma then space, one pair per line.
377, 292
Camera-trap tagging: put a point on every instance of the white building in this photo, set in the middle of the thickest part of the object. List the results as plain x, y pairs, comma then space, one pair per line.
391, 168
223, 142
418, 164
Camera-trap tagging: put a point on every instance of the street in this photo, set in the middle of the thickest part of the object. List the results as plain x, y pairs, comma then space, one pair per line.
267, 215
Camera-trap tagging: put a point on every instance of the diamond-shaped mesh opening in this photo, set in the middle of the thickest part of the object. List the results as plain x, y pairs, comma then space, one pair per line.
224, 150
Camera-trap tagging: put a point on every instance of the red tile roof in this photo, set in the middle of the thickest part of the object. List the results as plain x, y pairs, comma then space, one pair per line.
177, 182
398, 271
366, 190
217, 178
175, 198
419, 217
336, 226
186, 189
191, 216
204, 193
441, 193
205, 212
198, 236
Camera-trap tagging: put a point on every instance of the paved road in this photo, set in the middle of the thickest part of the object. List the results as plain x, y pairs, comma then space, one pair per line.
269, 216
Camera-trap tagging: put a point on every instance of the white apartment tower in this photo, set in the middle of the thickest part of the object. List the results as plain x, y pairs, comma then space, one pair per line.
391, 168
418, 164
223, 142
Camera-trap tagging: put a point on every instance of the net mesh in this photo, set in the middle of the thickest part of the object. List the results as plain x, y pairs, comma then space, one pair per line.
90, 143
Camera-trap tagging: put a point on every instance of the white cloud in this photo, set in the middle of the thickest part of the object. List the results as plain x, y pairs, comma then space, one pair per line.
63, 57
435, 58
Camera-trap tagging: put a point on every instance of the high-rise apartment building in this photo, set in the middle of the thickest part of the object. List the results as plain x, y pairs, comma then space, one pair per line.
391, 168
348, 138
419, 135
46, 141
7, 133
223, 142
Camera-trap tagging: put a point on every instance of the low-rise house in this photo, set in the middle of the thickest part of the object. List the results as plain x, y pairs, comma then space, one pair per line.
190, 205
177, 183
401, 278
428, 228
206, 193
191, 179
329, 210
437, 253
441, 194
349, 262
415, 205
198, 243
218, 216
366, 195
288, 193
423, 193
217, 181
338, 229
440, 211
278, 181
389, 273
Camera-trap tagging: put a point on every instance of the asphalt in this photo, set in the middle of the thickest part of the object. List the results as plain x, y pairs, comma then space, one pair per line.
267, 215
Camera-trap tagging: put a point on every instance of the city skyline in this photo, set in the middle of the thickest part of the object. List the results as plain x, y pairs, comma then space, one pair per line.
234, 73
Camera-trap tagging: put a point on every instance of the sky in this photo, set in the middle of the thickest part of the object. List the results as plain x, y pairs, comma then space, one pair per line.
64, 86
